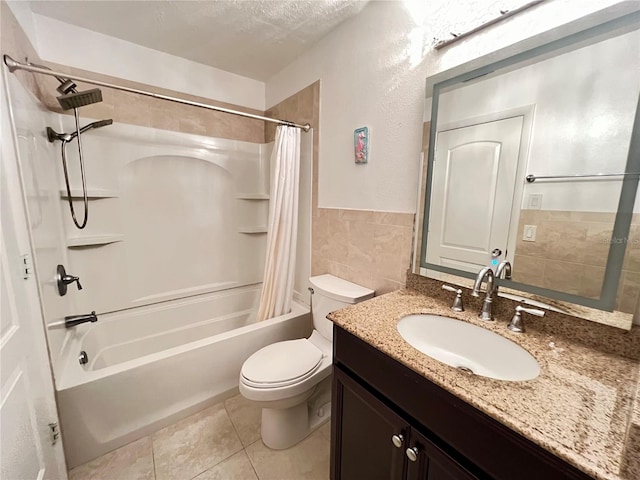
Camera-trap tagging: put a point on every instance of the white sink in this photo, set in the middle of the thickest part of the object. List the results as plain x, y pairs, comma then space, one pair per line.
469, 347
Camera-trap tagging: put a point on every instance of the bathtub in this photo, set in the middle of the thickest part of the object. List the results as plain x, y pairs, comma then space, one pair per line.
151, 366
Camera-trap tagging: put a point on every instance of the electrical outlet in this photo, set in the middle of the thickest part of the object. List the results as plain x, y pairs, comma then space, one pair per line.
529, 234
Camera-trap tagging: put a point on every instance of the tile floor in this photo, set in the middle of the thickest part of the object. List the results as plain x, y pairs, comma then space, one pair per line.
221, 442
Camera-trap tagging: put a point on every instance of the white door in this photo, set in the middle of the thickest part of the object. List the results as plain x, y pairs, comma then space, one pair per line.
27, 402
472, 193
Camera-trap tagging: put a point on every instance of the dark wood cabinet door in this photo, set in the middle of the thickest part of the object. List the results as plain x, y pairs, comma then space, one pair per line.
363, 428
432, 463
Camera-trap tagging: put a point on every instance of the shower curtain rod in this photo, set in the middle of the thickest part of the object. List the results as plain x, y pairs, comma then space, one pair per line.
13, 65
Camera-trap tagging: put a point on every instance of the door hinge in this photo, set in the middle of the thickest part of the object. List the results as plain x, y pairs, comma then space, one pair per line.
27, 266
54, 433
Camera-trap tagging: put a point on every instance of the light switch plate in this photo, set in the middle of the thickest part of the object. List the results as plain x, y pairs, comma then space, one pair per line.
529, 234
535, 201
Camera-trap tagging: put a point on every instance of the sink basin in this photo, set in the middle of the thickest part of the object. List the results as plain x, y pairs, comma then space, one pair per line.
469, 347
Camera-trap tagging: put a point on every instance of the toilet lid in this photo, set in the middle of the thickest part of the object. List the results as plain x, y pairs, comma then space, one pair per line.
282, 363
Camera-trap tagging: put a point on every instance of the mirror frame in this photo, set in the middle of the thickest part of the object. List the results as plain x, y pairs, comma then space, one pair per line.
622, 225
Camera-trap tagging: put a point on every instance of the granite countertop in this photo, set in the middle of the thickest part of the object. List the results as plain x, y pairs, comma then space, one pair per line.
584, 406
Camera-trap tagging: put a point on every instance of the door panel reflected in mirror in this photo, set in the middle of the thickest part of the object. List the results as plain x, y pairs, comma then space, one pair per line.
564, 111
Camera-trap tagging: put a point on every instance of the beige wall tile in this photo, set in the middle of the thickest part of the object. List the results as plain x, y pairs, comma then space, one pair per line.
390, 218
632, 252
563, 241
131, 108
629, 293
360, 244
528, 270
591, 281
363, 216
164, 119
390, 247
562, 276
338, 238
598, 243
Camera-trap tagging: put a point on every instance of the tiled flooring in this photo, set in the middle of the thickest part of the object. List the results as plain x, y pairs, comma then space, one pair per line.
221, 442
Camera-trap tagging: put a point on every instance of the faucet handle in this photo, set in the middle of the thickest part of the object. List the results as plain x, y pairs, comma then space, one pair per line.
532, 311
517, 323
457, 306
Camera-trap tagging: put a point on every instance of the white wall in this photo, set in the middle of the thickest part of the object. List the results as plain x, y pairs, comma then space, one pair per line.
585, 102
372, 70
67, 44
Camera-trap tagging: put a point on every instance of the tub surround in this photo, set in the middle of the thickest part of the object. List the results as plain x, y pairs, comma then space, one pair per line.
584, 406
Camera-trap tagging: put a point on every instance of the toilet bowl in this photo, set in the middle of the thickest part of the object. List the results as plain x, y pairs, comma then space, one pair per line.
291, 380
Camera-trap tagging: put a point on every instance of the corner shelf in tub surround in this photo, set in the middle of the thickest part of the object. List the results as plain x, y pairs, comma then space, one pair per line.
94, 240
91, 193
252, 196
253, 230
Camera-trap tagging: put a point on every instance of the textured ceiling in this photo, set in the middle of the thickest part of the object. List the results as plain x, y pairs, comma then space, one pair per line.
254, 38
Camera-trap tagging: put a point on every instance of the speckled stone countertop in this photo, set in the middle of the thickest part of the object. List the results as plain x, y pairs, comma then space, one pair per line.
585, 405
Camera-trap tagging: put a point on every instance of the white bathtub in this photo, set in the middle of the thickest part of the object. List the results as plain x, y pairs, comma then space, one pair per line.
151, 366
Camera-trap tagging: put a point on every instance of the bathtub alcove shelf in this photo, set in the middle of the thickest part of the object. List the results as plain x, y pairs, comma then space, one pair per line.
254, 230
92, 193
94, 240
252, 196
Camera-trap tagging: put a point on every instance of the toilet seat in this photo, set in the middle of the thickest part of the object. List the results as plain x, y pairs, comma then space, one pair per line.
281, 364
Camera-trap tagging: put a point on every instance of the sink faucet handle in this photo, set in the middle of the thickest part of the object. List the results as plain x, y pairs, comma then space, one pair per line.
517, 323
457, 306
532, 311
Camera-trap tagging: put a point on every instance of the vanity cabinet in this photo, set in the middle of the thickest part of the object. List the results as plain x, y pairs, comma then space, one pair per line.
380, 409
376, 443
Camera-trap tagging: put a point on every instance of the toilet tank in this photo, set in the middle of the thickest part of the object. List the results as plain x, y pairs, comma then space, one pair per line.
332, 293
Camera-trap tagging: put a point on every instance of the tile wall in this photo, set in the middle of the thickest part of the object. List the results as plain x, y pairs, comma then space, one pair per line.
570, 254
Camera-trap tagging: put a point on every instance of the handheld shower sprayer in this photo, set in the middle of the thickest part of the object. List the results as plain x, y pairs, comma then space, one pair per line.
65, 138
52, 135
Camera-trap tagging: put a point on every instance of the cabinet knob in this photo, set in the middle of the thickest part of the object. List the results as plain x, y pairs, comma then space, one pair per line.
412, 453
397, 440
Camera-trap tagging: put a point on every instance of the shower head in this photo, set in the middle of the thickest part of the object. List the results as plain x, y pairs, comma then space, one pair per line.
79, 99
52, 135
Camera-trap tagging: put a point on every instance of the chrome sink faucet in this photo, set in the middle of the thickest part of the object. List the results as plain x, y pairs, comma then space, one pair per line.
503, 271
485, 274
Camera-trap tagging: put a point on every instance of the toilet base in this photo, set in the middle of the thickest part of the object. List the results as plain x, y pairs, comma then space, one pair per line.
284, 427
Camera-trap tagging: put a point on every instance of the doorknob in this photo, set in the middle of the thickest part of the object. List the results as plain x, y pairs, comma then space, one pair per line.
496, 253
62, 279
412, 453
397, 440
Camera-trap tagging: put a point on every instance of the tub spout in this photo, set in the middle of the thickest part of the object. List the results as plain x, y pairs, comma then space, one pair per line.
73, 320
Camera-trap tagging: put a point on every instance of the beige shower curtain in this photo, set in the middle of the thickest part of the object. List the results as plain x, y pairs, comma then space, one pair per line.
279, 271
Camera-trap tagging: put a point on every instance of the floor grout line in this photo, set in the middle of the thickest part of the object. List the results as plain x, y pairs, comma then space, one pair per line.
224, 407
216, 464
153, 458
251, 461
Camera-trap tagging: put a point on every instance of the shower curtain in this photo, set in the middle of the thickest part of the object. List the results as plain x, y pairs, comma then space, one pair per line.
279, 271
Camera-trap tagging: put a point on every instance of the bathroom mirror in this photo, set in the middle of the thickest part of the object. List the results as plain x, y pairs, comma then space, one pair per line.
534, 159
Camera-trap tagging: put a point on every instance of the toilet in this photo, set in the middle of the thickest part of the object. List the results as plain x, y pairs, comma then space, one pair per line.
291, 380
